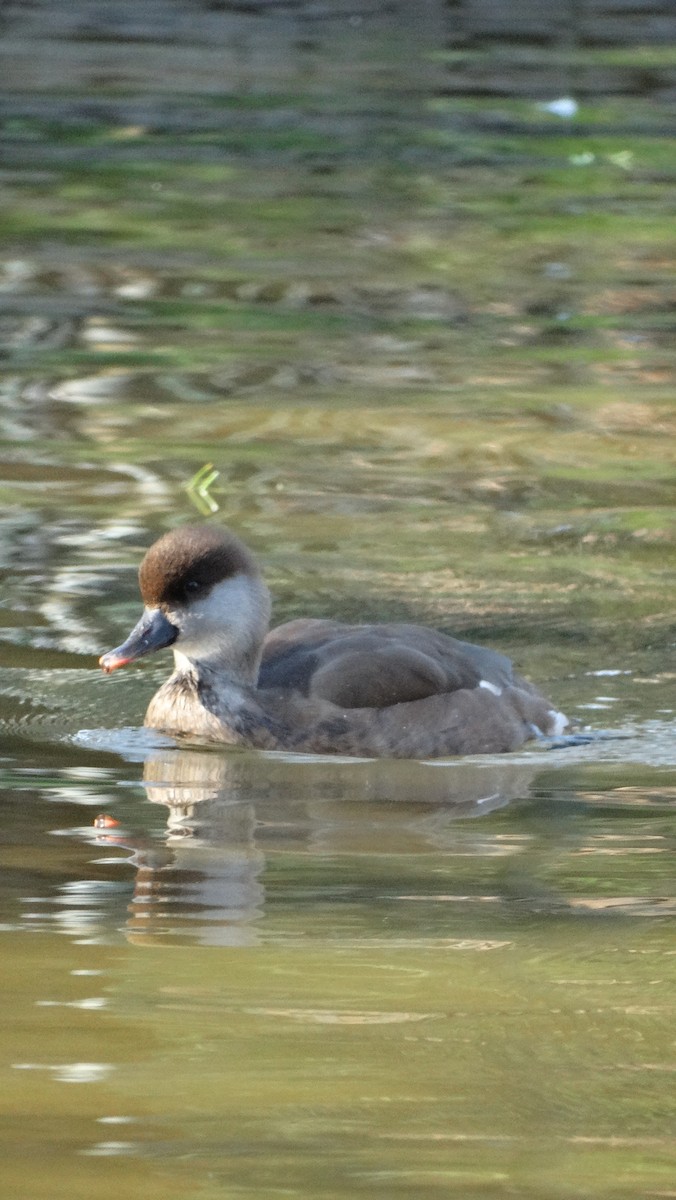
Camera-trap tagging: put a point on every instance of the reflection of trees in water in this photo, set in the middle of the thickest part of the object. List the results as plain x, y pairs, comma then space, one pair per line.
367, 51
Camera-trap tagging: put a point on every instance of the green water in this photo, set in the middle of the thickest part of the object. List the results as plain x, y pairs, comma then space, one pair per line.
424, 338
321, 979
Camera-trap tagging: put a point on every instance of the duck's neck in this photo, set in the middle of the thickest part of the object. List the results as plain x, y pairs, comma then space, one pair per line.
242, 672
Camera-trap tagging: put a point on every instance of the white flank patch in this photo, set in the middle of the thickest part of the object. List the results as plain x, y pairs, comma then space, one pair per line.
490, 687
559, 721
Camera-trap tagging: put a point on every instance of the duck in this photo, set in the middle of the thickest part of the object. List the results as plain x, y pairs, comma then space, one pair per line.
312, 685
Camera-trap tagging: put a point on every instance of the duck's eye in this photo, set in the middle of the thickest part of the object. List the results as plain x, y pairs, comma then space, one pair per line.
193, 585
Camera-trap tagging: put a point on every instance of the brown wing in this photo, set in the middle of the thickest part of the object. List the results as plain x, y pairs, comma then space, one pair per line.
374, 666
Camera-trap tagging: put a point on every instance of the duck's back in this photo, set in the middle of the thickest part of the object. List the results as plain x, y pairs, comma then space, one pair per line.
397, 690
375, 666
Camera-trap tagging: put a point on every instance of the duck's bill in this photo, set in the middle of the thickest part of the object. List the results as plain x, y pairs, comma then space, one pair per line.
153, 632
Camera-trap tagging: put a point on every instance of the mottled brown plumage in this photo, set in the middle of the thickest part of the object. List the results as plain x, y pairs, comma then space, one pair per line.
313, 685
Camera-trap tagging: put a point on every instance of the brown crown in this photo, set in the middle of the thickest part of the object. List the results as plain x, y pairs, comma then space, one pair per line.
186, 562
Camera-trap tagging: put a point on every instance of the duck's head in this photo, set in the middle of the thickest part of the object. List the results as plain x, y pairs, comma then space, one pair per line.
204, 596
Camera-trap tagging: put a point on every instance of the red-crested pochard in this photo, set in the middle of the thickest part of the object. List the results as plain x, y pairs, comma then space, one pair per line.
313, 686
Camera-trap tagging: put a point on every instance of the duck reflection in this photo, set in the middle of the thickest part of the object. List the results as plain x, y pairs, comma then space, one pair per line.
227, 815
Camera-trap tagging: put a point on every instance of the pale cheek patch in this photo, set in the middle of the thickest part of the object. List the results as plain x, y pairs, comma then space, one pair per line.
228, 623
490, 687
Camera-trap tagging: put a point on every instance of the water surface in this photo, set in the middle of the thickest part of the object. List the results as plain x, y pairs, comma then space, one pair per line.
421, 326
